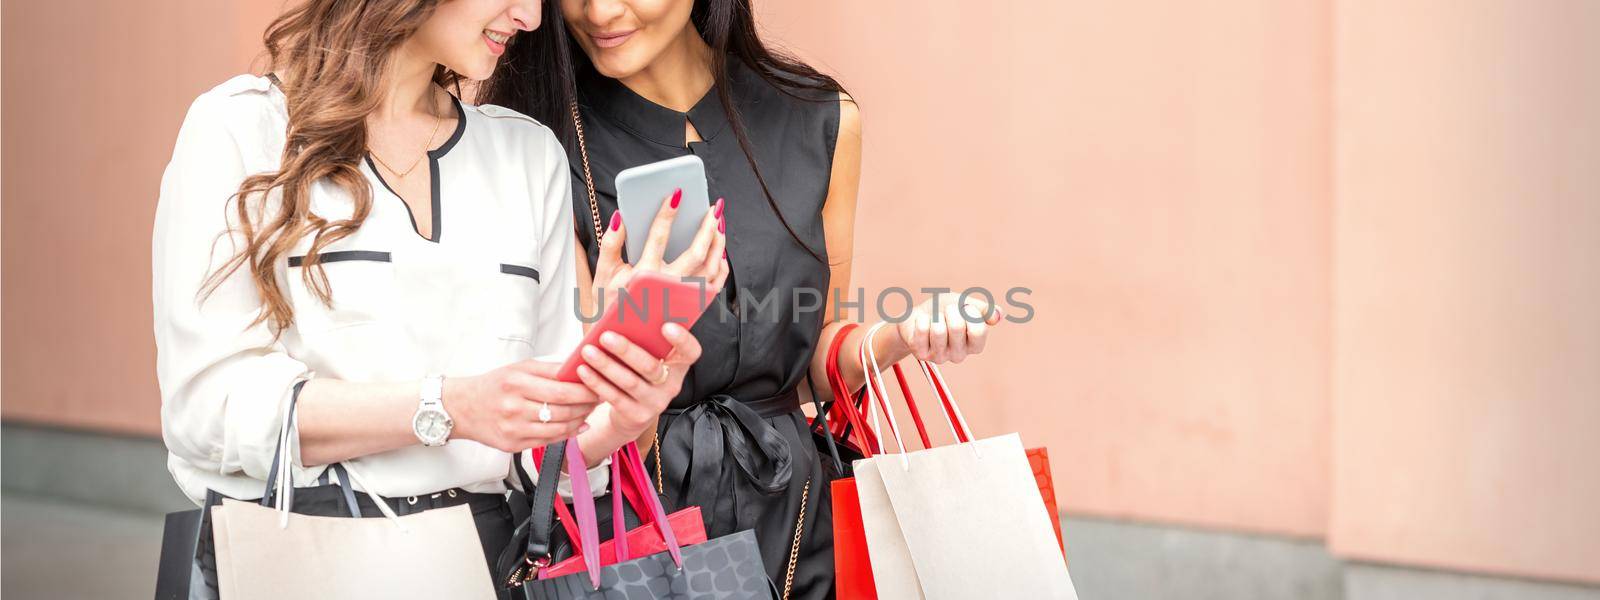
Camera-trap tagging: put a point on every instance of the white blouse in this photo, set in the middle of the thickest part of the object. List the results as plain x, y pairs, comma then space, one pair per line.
493, 285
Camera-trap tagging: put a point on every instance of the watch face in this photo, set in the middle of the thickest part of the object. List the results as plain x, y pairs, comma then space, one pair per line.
431, 426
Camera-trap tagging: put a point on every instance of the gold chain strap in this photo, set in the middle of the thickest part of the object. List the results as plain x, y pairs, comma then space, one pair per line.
588, 178
655, 444
794, 549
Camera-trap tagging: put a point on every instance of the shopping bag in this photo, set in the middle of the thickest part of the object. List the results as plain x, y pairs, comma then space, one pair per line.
686, 525
178, 570
431, 554
727, 567
852, 563
960, 521
267, 553
1038, 458
1039, 461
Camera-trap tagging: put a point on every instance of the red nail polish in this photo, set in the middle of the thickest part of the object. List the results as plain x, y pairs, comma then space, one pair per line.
722, 226
719, 208
676, 196
616, 220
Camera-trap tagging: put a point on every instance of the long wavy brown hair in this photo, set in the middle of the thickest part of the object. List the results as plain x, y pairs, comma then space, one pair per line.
331, 58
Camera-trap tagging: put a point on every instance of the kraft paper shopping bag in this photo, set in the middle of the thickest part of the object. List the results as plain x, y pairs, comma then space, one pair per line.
428, 555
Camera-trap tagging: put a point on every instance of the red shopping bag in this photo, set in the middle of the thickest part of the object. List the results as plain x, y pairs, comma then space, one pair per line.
852, 566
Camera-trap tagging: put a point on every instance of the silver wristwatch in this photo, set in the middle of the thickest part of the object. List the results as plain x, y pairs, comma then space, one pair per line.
431, 423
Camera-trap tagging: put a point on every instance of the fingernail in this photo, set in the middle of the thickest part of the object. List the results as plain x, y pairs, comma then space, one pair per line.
676, 196
616, 220
722, 226
591, 352
719, 208
610, 339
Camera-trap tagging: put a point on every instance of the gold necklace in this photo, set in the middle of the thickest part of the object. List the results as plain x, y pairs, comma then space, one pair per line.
437, 120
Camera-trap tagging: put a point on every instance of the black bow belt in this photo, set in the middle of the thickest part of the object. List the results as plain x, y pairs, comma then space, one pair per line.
715, 429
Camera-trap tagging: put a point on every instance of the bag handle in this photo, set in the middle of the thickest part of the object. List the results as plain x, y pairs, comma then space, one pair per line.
624, 485
952, 411
832, 370
842, 397
280, 477
277, 472
958, 422
537, 554
876, 392
588, 539
911, 405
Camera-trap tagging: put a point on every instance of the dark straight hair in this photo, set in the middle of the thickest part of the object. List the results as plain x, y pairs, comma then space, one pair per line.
538, 75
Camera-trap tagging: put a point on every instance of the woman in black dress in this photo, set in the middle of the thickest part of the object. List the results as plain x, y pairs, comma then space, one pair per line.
657, 79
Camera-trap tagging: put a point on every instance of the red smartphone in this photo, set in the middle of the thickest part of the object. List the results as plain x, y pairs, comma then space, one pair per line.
638, 312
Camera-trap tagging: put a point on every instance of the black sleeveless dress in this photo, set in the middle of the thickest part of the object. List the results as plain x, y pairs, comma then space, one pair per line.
734, 441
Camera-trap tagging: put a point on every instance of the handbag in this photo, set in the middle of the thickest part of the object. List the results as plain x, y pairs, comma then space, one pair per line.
959, 521
264, 551
727, 567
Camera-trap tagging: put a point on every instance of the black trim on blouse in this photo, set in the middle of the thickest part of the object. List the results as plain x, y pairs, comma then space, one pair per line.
343, 255
528, 272
433, 174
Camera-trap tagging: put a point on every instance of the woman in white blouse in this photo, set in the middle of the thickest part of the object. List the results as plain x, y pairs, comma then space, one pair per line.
347, 237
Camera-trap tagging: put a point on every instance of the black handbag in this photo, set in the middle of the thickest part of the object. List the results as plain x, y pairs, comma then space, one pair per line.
724, 568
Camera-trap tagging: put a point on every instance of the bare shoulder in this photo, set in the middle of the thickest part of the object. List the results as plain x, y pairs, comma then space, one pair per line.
849, 118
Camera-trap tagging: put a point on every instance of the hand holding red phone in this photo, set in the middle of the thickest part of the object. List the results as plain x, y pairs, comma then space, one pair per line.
637, 385
635, 356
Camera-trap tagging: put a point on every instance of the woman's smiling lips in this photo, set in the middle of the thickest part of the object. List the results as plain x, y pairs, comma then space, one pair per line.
496, 41
612, 39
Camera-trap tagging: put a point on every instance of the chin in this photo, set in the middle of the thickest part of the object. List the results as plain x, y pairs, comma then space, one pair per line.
476, 72
615, 67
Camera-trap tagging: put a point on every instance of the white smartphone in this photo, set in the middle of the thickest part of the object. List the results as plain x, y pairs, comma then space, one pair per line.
640, 192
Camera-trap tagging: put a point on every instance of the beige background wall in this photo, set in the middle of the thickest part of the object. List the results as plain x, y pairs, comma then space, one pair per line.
1157, 173
1212, 344
94, 93
1467, 310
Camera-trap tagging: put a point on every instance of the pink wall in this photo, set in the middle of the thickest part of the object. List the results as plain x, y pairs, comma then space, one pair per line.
1157, 172
1466, 391
1209, 286
93, 95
